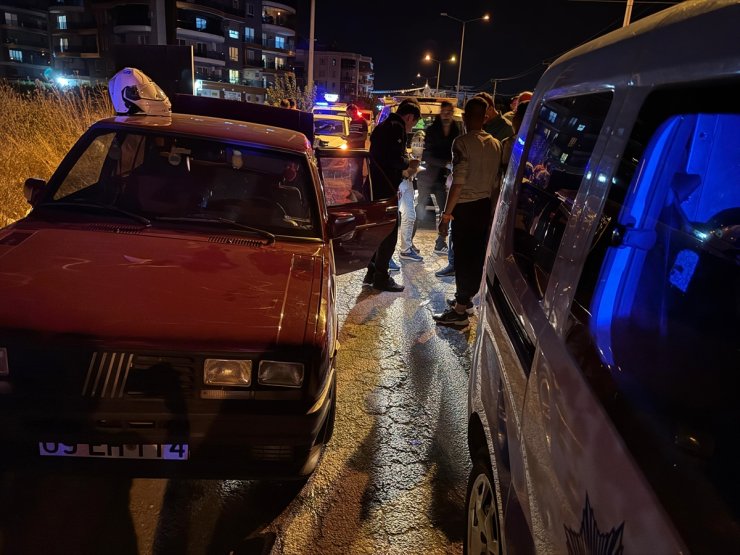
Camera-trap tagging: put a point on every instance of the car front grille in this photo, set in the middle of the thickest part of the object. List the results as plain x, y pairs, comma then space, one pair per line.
114, 375
83, 373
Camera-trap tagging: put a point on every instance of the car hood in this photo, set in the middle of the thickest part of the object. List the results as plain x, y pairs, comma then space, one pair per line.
332, 141
157, 289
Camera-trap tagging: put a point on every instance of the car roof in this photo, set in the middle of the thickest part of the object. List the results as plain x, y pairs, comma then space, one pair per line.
664, 45
215, 128
330, 116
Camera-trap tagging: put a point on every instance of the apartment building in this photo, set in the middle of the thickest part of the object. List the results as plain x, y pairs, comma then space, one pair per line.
240, 47
346, 74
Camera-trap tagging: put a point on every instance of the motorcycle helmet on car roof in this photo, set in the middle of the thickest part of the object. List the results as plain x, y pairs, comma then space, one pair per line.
134, 92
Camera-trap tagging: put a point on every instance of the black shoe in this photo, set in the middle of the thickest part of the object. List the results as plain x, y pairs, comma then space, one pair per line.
369, 278
469, 308
389, 285
446, 271
451, 318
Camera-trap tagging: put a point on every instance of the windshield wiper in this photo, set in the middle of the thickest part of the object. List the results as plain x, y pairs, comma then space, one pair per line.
109, 207
211, 220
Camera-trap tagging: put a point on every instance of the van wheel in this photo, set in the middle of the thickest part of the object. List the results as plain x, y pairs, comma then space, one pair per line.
482, 534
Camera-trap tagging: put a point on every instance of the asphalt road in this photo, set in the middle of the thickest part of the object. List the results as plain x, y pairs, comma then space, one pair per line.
392, 480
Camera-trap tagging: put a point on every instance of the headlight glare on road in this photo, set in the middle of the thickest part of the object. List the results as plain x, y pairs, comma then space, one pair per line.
283, 374
237, 373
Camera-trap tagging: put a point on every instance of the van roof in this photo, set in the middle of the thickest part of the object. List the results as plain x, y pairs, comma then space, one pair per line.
694, 39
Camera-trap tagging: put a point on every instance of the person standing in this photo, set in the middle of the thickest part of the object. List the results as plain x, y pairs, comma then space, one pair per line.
390, 164
476, 156
495, 124
437, 155
357, 128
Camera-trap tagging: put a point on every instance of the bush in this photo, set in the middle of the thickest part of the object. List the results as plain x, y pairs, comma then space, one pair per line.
37, 129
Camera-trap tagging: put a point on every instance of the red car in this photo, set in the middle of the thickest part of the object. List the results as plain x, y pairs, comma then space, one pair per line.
169, 302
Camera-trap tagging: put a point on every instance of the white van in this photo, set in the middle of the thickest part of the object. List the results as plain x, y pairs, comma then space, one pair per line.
604, 396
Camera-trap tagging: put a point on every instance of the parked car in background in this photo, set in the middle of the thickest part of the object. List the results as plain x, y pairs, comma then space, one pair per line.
430, 108
169, 301
604, 395
331, 131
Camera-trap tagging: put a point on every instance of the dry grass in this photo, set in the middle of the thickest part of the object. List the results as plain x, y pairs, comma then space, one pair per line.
36, 131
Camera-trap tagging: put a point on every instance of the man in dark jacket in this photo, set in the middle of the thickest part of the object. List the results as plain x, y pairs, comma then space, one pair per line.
389, 165
437, 154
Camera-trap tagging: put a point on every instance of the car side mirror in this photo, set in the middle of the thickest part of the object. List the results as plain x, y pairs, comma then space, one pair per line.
33, 189
342, 225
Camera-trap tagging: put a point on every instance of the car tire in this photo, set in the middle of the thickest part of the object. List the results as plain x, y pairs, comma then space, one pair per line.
482, 531
329, 426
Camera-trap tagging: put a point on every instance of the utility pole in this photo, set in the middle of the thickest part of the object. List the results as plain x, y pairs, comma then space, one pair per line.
309, 77
628, 13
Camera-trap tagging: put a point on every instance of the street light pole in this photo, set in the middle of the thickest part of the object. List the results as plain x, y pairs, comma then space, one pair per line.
462, 44
309, 77
428, 58
459, 66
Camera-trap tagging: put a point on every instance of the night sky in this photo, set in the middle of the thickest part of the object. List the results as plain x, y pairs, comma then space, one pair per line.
521, 36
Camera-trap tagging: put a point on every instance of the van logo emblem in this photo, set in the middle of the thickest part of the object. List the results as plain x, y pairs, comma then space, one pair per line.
589, 540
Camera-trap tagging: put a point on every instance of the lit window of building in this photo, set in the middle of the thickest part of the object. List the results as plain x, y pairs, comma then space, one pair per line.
16, 55
233, 76
233, 33
61, 21
233, 53
200, 23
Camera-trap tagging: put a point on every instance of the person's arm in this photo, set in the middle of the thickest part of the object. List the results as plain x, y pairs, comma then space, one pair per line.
460, 167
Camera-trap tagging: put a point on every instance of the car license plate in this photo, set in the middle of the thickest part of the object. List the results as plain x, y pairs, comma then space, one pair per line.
165, 451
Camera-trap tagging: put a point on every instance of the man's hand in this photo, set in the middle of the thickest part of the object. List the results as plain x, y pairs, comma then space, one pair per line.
444, 224
412, 169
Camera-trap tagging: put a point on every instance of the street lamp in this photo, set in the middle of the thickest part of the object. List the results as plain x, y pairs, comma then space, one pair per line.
428, 58
462, 42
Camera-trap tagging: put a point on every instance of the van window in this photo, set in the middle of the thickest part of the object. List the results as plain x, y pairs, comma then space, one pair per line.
656, 317
565, 133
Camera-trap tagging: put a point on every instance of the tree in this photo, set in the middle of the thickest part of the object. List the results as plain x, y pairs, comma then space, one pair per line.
285, 86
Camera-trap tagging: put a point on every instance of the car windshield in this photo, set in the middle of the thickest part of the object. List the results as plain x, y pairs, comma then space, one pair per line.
328, 126
182, 180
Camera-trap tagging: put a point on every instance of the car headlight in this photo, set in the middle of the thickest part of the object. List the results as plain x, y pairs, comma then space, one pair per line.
283, 374
237, 373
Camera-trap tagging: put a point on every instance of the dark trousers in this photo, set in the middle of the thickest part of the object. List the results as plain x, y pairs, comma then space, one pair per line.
469, 234
428, 185
378, 266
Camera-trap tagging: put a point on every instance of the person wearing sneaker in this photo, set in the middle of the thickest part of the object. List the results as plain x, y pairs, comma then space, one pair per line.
390, 160
438, 139
476, 156
407, 214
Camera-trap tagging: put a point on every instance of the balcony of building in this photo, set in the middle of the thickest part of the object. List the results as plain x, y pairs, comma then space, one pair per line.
25, 23
208, 56
25, 57
198, 26
131, 18
278, 17
24, 40
66, 6
280, 45
76, 47
216, 7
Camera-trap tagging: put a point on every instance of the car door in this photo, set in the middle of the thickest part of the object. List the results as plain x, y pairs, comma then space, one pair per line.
348, 189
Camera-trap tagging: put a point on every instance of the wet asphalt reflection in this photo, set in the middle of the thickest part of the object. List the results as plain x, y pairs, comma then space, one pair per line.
392, 480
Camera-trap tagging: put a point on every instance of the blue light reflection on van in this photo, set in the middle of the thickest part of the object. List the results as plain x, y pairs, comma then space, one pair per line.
686, 185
